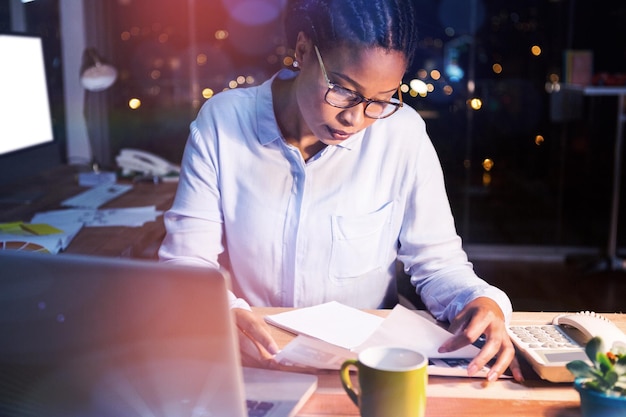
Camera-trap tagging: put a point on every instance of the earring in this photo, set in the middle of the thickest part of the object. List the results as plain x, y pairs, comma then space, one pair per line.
295, 64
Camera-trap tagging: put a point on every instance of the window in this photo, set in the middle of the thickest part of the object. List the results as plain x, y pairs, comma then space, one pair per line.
516, 173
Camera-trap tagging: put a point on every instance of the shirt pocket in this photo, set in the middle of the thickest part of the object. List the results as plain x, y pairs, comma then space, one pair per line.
360, 242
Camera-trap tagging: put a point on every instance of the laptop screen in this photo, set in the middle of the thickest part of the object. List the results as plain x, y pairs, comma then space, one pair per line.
86, 336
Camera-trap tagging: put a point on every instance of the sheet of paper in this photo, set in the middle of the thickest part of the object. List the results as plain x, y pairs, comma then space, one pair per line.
22, 239
130, 217
332, 322
406, 328
40, 229
402, 327
307, 352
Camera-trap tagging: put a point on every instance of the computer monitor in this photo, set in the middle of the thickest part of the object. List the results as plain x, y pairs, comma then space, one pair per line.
27, 138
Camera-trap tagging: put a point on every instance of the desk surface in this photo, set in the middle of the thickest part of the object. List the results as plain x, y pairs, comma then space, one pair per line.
59, 184
470, 395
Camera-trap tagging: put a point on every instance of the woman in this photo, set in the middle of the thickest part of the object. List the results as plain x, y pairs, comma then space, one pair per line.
313, 184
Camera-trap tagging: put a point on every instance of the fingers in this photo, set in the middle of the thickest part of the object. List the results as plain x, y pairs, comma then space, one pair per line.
516, 370
463, 337
469, 325
256, 329
460, 322
251, 354
500, 348
255, 341
483, 317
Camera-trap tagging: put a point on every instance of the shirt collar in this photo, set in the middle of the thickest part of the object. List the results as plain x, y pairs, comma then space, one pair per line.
268, 130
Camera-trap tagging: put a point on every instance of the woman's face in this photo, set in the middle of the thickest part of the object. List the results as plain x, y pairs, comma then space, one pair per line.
374, 73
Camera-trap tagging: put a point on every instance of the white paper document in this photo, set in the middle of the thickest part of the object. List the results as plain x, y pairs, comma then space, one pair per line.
129, 217
97, 195
53, 243
308, 352
406, 328
330, 333
332, 322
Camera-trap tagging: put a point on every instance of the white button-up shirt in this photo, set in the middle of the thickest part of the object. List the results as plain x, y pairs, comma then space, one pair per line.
302, 233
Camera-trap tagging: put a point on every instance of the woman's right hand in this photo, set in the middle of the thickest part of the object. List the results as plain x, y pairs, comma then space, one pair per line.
256, 344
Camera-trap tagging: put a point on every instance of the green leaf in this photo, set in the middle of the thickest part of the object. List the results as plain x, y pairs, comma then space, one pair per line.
610, 378
580, 369
594, 385
594, 346
604, 363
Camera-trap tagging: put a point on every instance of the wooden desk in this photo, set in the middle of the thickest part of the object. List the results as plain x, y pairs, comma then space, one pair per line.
59, 184
459, 396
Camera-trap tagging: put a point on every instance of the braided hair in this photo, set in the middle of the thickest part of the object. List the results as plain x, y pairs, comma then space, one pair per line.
389, 24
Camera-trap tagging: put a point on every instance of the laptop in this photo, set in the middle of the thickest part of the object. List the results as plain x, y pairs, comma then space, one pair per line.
93, 336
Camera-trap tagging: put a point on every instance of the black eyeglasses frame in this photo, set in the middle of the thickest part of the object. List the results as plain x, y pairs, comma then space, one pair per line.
395, 103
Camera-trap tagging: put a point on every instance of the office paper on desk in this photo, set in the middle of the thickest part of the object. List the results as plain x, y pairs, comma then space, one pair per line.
129, 217
53, 243
332, 322
96, 196
327, 333
406, 328
402, 327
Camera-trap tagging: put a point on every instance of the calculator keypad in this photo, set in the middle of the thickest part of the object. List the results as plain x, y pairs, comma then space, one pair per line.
542, 337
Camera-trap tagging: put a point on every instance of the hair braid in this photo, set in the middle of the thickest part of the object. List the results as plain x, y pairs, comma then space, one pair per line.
389, 24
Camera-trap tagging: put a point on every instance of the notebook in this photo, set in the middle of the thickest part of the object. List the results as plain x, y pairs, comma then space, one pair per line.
91, 336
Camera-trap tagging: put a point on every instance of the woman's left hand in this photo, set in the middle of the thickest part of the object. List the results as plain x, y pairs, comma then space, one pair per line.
483, 317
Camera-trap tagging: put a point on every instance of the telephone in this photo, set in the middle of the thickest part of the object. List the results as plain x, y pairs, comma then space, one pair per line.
549, 347
136, 161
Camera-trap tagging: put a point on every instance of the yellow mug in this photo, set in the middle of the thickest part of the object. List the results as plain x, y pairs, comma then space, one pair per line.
392, 382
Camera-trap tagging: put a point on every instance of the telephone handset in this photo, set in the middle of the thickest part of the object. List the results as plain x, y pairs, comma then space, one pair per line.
591, 324
134, 160
549, 347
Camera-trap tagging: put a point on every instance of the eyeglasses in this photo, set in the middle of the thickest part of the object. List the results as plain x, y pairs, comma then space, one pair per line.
344, 98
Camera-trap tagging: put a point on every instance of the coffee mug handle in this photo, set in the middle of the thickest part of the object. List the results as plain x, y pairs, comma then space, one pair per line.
344, 373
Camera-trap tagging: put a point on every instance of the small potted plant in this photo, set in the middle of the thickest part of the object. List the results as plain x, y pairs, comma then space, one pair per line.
601, 385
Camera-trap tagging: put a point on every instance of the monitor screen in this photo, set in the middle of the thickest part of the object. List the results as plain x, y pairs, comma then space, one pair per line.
27, 140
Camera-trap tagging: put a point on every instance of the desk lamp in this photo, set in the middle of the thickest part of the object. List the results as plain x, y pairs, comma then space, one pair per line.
95, 75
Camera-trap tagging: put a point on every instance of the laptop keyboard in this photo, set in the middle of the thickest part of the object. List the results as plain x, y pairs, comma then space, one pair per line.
258, 408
